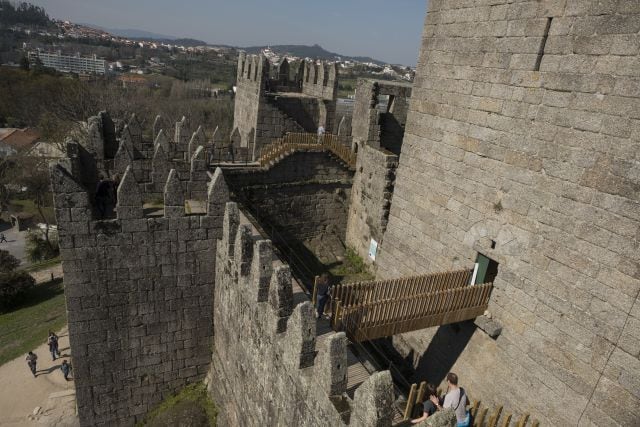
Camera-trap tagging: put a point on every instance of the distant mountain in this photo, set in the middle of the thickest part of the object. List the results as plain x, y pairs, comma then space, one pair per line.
130, 33
316, 51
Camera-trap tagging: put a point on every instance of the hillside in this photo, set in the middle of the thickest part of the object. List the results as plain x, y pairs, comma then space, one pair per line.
316, 51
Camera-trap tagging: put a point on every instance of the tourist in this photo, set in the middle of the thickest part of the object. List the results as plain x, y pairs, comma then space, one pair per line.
455, 399
66, 369
3, 238
428, 407
52, 341
323, 288
31, 362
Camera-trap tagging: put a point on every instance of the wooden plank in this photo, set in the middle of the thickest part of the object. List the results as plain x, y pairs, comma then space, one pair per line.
411, 400
506, 421
314, 298
474, 409
522, 422
480, 420
493, 420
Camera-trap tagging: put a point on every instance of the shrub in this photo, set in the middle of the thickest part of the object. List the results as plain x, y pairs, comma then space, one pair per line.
38, 249
13, 286
8, 262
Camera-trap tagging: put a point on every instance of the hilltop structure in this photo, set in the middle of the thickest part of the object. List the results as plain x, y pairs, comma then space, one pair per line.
513, 159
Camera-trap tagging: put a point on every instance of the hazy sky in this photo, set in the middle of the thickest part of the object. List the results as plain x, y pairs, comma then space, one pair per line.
388, 30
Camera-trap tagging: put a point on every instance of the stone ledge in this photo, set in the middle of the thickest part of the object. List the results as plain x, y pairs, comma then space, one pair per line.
489, 326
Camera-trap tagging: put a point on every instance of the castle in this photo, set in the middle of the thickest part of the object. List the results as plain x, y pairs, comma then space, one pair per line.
516, 150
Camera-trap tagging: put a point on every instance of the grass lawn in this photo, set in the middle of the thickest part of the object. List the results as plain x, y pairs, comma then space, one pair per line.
42, 265
27, 326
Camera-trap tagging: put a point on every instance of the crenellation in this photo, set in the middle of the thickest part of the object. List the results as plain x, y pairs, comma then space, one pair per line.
300, 338
332, 365
262, 269
281, 297
197, 139
174, 197
129, 204
162, 141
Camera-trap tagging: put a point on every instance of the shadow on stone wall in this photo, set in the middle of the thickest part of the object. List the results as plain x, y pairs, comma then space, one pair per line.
443, 351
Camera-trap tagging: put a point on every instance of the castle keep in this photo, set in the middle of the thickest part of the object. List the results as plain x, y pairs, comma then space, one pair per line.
522, 144
512, 160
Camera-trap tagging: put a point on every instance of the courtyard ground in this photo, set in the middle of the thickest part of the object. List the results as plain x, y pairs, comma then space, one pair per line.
24, 329
47, 400
15, 242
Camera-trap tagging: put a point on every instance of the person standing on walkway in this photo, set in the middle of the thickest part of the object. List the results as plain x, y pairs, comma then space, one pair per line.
52, 341
323, 294
31, 362
3, 238
66, 369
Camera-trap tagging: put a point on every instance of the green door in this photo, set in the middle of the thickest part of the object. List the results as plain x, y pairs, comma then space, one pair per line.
483, 264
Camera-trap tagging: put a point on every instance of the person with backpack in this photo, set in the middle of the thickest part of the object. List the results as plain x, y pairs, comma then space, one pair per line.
456, 399
66, 369
52, 341
31, 362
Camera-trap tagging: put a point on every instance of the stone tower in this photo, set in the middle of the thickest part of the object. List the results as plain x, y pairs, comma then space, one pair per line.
522, 144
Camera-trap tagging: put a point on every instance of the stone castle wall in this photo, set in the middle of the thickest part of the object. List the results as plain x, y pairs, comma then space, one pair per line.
371, 196
139, 292
267, 367
522, 144
305, 195
374, 133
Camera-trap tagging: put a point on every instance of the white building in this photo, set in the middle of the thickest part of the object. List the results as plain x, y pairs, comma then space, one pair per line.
70, 64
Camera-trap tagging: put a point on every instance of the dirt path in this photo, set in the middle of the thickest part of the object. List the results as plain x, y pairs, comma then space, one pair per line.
21, 394
46, 274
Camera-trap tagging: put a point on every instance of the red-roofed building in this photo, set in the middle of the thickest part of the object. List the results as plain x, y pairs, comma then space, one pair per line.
13, 141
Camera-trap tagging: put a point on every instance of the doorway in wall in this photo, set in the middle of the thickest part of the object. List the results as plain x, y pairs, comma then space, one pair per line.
485, 270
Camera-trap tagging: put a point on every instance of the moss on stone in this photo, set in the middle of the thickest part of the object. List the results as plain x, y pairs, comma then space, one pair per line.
191, 407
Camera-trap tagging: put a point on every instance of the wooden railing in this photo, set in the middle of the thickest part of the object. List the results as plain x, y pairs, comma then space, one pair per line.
478, 415
292, 142
377, 290
370, 310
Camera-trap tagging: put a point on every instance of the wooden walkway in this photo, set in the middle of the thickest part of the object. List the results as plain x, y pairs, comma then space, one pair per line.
382, 308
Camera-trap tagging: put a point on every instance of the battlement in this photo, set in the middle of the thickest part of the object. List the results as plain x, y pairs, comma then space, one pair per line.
254, 294
313, 78
270, 103
138, 288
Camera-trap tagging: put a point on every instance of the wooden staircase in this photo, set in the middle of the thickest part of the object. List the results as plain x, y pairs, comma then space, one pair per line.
295, 142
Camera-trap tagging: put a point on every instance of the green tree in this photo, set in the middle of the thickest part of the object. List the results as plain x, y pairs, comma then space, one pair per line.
8, 262
13, 284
